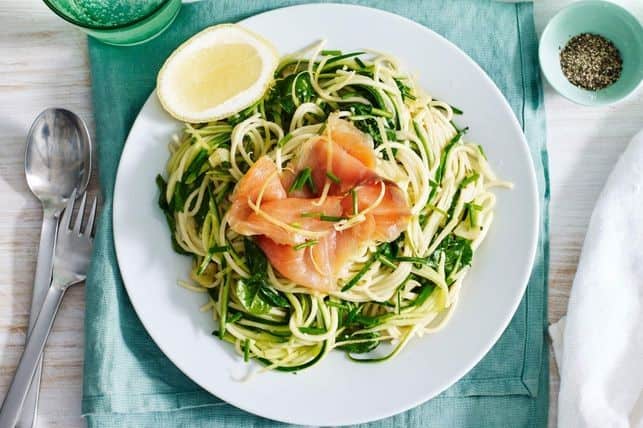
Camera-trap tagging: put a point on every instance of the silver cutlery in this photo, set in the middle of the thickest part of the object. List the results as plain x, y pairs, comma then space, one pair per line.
71, 261
57, 161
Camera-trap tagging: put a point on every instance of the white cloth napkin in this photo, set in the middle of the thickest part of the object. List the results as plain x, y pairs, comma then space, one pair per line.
599, 346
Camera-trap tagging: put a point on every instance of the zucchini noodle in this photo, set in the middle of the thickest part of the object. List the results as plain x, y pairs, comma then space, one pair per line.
390, 292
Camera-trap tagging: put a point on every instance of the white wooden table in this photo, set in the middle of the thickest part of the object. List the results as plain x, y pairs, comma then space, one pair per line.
43, 62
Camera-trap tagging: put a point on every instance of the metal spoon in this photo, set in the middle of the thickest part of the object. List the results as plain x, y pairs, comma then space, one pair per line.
57, 160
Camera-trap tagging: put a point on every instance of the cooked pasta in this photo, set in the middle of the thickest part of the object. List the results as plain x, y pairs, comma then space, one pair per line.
390, 292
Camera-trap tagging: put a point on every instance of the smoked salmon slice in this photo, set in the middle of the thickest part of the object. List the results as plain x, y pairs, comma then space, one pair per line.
297, 228
292, 221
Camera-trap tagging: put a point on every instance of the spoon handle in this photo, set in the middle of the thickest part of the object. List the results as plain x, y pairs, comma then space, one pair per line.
30, 359
42, 280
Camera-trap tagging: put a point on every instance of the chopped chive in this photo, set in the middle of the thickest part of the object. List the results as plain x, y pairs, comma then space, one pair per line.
456, 110
379, 112
322, 128
246, 350
459, 135
206, 260
331, 52
436, 209
331, 218
310, 215
234, 318
399, 300
312, 330
424, 294
469, 179
284, 140
355, 279
335, 179
355, 205
473, 213
303, 178
343, 57
223, 310
418, 260
305, 244
350, 95
360, 62
337, 305
387, 262
482, 151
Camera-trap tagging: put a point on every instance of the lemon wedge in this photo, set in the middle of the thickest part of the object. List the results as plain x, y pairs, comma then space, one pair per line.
216, 73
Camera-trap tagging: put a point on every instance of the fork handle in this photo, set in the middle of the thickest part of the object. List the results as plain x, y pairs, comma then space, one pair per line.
15, 398
41, 285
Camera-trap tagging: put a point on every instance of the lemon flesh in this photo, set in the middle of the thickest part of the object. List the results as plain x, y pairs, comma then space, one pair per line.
215, 74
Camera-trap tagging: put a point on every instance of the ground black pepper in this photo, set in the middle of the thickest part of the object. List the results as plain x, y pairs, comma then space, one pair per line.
591, 61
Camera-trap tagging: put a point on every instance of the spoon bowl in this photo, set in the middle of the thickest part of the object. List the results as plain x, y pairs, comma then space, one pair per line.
58, 157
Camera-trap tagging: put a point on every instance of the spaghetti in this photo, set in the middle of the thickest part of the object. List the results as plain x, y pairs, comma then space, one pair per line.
392, 291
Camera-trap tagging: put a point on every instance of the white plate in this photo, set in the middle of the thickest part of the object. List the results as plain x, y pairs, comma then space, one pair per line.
337, 391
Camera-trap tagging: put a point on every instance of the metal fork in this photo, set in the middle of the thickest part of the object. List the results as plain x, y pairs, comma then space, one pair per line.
71, 261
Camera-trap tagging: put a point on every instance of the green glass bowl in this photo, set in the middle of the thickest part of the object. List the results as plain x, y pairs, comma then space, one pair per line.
597, 17
118, 22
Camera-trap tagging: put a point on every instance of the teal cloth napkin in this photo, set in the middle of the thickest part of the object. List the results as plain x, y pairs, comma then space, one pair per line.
128, 382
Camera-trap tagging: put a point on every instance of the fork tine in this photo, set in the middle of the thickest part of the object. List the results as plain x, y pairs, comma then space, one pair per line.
89, 227
65, 221
80, 213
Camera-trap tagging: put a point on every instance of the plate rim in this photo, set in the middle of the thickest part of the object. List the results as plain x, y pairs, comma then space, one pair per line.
533, 245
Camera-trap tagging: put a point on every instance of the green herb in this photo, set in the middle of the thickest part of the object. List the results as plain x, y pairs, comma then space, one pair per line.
469, 179
331, 52
223, 308
255, 293
332, 177
438, 210
248, 292
439, 173
354, 197
310, 215
246, 350
284, 140
273, 297
303, 178
457, 253
305, 244
458, 135
481, 150
405, 90
312, 330
169, 215
196, 167
473, 211
425, 291
242, 115
367, 342
341, 58
360, 62
387, 262
456, 110
355, 279
234, 318
331, 218
206, 260
379, 112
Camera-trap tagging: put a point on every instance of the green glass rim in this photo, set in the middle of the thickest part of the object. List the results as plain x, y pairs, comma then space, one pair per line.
71, 20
